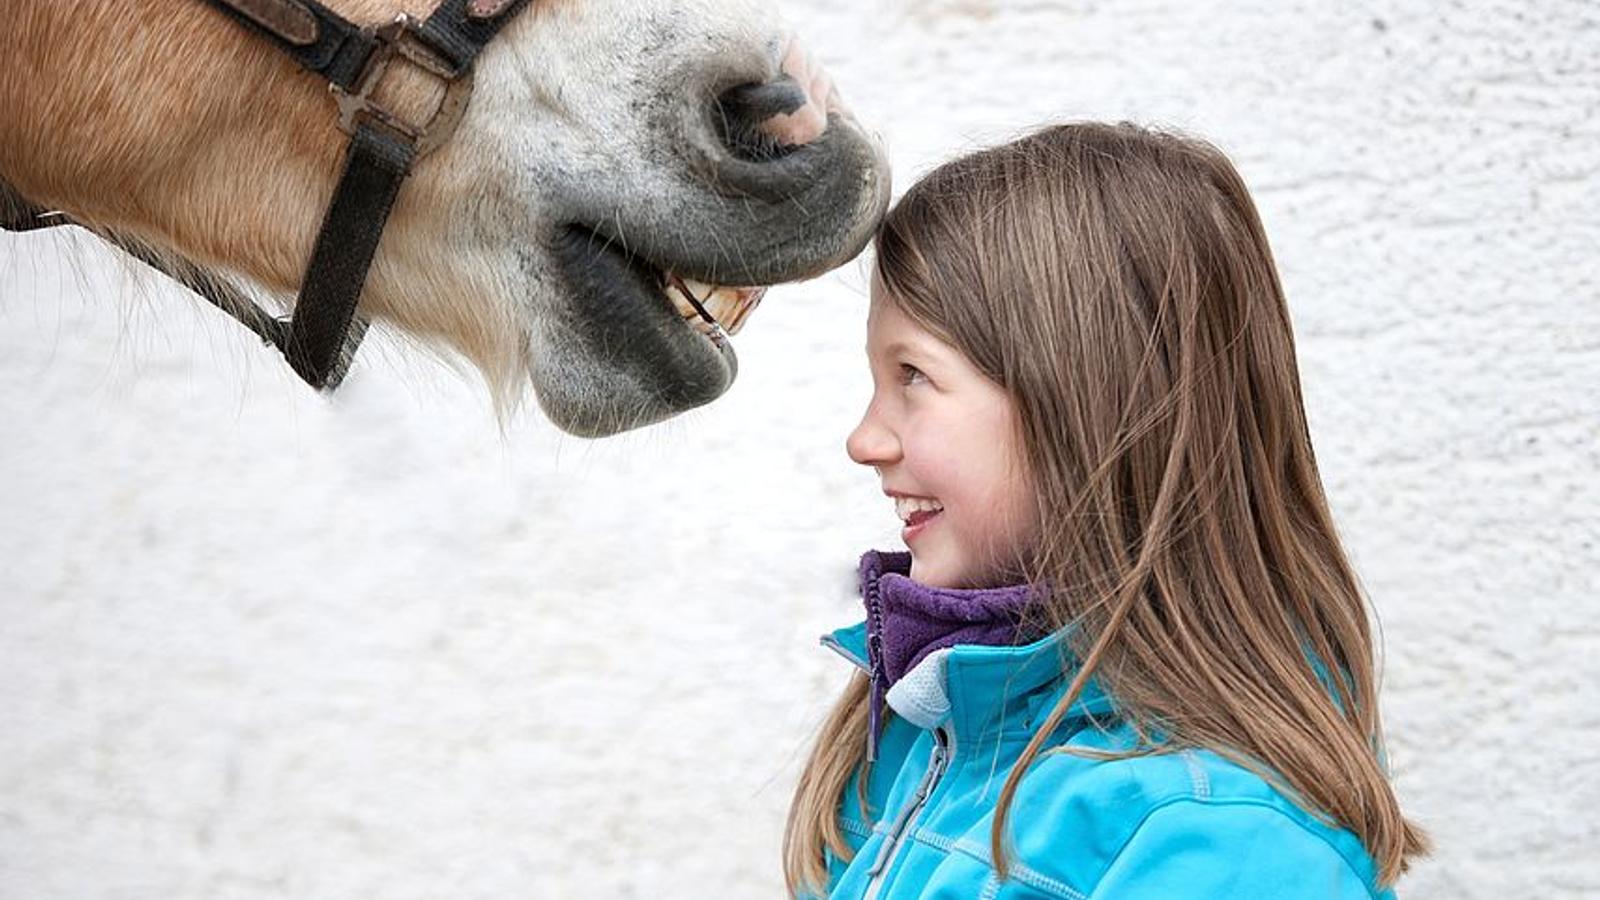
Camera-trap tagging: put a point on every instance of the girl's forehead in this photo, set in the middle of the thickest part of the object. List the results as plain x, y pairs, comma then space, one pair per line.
886, 313
887, 322
890, 332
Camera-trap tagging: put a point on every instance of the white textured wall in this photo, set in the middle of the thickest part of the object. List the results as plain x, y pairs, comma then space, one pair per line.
258, 644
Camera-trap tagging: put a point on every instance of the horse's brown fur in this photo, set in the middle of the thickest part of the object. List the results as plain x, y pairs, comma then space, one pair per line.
138, 118
129, 113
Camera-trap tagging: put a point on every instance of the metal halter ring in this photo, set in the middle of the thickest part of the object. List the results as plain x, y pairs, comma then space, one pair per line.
400, 37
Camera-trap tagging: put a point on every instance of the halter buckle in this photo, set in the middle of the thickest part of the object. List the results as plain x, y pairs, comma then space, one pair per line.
401, 37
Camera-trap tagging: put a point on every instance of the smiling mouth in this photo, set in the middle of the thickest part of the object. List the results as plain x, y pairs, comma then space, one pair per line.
915, 510
918, 522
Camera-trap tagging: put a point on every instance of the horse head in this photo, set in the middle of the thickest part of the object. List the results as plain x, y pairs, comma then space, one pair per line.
615, 155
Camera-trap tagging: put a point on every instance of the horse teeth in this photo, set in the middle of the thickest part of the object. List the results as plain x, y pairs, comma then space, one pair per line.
730, 306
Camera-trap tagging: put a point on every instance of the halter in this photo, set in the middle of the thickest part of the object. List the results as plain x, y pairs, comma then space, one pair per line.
321, 336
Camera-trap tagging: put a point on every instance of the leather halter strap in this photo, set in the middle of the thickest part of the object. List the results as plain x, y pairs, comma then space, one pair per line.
321, 337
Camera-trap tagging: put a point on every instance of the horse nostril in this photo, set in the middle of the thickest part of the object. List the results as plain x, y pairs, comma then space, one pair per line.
742, 110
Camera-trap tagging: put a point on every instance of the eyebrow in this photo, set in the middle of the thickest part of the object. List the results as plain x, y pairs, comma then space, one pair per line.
924, 351
906, 347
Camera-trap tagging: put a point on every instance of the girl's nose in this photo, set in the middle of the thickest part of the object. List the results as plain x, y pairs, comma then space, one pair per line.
871, 443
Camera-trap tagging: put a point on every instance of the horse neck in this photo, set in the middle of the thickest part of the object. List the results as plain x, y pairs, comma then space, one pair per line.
168, 121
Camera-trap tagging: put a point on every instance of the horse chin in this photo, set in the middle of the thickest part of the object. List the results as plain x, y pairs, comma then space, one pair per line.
618, 354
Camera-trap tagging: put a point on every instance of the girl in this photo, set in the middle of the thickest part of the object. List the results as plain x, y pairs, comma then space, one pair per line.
1126, 656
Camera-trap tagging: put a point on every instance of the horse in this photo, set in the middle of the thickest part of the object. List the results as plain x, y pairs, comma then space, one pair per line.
625, 178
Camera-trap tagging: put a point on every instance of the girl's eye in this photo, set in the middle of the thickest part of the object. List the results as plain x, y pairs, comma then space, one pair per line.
910, 374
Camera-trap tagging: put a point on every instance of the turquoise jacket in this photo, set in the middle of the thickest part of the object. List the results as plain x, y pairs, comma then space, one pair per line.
1184, 826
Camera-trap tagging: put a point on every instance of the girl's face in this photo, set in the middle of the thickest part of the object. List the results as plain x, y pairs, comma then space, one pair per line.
943, 439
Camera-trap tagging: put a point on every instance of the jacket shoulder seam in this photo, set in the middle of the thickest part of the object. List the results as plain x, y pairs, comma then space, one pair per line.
1237, 801
1199, 782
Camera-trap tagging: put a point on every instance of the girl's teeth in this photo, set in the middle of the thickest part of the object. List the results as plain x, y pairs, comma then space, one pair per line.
906, 507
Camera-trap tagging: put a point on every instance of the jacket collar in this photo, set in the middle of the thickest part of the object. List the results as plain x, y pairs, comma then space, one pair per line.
1027, 679
908, 620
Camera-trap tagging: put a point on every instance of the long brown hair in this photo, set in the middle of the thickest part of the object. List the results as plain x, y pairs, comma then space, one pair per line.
1116, 281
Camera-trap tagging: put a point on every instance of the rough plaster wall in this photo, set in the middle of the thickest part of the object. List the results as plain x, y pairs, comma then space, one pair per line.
255, 644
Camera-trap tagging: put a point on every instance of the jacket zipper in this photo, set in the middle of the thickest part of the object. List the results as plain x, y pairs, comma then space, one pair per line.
937, 762
874, 669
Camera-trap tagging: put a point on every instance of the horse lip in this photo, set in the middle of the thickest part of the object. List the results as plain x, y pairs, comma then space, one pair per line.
661, 269
667, 275
737, 222
601, 269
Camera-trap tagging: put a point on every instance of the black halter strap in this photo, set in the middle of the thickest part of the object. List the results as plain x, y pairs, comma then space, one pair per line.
321, 337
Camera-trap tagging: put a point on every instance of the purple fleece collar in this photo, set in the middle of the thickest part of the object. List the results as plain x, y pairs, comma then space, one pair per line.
906, 621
